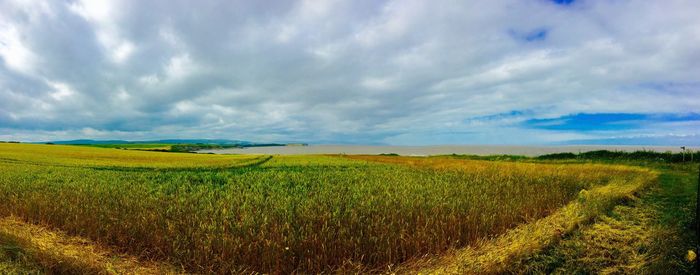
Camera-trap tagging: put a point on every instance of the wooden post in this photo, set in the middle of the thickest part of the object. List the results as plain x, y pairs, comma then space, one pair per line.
697, 225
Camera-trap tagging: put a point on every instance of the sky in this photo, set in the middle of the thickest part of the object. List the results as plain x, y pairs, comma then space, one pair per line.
522, 72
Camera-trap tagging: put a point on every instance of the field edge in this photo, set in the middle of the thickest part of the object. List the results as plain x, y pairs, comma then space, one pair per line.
496, 256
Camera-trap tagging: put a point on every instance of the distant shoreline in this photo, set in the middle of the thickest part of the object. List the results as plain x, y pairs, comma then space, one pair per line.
481, 150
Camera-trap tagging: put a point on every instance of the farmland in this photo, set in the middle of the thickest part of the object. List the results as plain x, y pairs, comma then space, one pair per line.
309, 214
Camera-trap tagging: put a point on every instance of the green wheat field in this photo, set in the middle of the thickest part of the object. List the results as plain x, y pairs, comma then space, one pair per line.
166, 212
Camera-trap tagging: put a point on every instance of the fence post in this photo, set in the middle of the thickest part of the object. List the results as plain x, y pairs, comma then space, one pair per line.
697, 225
683, 152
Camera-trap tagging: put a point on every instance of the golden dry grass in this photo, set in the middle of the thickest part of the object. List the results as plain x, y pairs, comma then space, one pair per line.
55, 252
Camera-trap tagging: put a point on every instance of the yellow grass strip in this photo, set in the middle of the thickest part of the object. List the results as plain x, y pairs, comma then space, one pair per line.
58, 253
495, 256
66, 155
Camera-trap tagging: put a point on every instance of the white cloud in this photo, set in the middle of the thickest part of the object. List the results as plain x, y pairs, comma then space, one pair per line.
149, 79
378, 83
13, 51
105, 16
122, 95
61, 91
122, 52
345, 71
179, 66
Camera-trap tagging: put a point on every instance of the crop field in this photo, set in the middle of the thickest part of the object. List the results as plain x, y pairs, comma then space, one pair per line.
132, 146
308, 214
95, 158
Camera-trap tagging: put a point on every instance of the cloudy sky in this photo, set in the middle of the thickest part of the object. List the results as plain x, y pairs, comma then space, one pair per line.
349, 71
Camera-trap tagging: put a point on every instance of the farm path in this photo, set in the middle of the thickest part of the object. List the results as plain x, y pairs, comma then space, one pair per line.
651, 234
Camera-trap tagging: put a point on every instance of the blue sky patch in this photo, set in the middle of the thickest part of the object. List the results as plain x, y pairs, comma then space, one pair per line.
536, 35
606, 121
530, 36
564, 2
516, 113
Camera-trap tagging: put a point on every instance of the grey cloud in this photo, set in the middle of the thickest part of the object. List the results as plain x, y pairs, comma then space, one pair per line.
339, 71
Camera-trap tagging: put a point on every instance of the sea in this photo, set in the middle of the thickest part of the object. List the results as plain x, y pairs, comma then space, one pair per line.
436, 149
